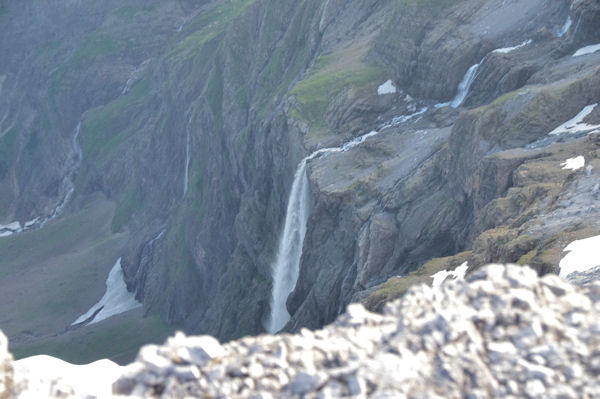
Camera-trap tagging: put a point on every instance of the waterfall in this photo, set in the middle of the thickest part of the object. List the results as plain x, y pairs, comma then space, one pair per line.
187, 165
565, 28
286, 267
128, 83
67, 182
464, 86
287, 263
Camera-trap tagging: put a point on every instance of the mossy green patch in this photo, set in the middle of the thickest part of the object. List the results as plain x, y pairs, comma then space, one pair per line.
108, 126
393, 288
94, 46
431, 3
208, 25
117, 339
327, 78
131, 202
126, 12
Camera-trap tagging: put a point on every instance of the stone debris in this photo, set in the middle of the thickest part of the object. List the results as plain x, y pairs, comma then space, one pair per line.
502, 332
6, 369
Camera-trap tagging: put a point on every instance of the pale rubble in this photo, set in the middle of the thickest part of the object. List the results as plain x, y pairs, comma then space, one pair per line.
6, 369
500, 332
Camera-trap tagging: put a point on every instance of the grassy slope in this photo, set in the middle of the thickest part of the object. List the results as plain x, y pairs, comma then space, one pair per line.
53, 275
117, 338
328, 77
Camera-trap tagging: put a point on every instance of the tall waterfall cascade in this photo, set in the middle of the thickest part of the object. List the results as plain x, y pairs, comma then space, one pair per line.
286, 267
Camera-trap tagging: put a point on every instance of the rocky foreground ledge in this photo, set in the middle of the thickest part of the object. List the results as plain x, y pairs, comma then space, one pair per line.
502, 332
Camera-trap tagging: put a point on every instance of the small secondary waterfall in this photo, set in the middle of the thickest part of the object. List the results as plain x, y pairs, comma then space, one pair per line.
187, 165
67, 182
128, 83
464, 86
565, 28
286, 267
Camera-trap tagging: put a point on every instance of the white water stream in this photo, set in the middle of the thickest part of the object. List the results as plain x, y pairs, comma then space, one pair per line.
187, 165
67, 183
286, 267
465, 85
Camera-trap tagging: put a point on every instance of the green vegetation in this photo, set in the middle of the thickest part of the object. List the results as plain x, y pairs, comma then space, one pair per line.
106, 127
392, 289
118, 339
126, 12
94, 46
431, 3
8, 150
52, 275
131, 202
498, 102
214, 95
211, 23
327, 78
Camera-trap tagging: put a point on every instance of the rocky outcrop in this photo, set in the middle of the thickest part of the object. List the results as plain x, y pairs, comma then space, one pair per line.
493, 188
501, 332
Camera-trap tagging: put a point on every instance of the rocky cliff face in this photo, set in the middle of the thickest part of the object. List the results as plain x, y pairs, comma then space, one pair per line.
181, 124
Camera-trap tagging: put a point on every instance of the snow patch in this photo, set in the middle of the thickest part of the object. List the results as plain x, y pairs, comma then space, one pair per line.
44, 374
31, 222
442, 275
14, 226
386, 88
587, 50
116, 299
582, 255
576, 124
507, 50
574, 163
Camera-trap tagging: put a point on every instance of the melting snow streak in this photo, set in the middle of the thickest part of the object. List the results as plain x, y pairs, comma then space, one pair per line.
582, 256
587, 50
576, 124
116, 299
442, 275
